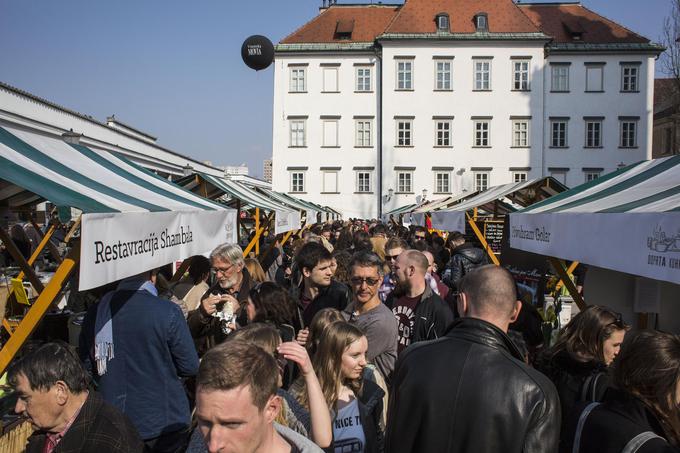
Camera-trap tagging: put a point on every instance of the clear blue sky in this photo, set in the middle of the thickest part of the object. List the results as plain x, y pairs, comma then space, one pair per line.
173, 68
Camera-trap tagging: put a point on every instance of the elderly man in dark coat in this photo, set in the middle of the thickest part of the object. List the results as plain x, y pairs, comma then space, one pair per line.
52, 393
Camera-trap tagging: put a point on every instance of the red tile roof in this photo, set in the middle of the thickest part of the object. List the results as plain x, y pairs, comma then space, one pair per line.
556, 20
417, 16
504, 16
369, 22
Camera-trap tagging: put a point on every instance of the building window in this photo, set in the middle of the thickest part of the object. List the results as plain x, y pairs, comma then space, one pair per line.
482, 75
442, 133
363, 78
330, 133
593, 133
330, 182
363, 128
591, 175
298, 77
559, 175
482, 128
520, 75
481, 22
628, 133
559, 77
442, 75
363, 181
519, 176
442, 20
297, 182
558, 130
481, 180
629, 78
520, 133
404, 132
404, 182
442, 182
404, 75
330, 79
595, 78
297, 133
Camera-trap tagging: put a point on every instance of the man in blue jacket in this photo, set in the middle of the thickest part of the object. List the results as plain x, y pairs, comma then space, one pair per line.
138, 347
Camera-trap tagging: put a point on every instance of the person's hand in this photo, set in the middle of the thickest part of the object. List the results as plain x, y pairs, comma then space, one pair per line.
302, 337
298, 354
208, 304
229, 298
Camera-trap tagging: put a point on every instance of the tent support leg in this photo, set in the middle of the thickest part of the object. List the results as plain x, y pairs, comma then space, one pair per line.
38, 251
181, 270
561, 269
73, 229
570, 271
38, 309
257, 228
256, 238
19, 258
53, 249
482, 239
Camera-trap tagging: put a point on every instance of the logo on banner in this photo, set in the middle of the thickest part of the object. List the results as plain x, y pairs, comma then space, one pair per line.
662, 243
538, 234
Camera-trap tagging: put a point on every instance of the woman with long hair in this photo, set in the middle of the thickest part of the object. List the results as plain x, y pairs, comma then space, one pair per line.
578, 362
642, 411
255, 270
270, 303
356, 404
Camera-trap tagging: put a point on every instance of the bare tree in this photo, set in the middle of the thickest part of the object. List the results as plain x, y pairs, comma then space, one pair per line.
670, 59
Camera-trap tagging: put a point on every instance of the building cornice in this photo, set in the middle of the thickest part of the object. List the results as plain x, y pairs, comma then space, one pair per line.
326, 47
482, 36
582, 47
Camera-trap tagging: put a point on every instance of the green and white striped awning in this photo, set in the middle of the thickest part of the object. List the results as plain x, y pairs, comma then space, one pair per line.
133, 220
628, 221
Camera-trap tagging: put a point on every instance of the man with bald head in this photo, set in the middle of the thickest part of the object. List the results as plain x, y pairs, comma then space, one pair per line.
470, 391
421, 314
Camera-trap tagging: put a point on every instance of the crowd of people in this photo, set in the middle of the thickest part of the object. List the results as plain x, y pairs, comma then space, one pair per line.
353, 337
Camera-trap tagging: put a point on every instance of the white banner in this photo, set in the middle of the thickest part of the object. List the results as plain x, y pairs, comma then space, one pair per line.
448, 220
119, 245
286, 221
644, 244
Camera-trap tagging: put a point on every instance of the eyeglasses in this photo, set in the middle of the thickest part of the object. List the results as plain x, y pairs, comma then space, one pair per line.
358, 281
222, 270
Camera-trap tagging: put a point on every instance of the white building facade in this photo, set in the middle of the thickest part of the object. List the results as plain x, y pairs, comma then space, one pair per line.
437, 107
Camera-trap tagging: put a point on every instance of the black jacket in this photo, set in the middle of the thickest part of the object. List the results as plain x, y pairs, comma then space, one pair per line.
370, 411
470, 392
336, 295
433, 316
206, 330
99, 427
575, 381
612, 424
464, 258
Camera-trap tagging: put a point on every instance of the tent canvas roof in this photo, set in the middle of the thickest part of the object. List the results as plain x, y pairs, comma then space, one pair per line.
628, 221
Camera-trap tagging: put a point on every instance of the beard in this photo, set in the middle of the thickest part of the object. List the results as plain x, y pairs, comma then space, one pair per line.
229, 283
401, 288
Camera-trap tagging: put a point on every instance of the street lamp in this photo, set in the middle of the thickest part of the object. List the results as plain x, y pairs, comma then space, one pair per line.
388, 197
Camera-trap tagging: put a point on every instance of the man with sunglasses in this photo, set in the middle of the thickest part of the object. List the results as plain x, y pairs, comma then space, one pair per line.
371, 315
393, 248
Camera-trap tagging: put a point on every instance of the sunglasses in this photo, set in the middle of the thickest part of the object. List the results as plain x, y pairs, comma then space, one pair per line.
391, 257
357, 281
420, 237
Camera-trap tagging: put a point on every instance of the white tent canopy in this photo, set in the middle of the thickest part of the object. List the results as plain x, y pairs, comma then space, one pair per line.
627, 221
133, 220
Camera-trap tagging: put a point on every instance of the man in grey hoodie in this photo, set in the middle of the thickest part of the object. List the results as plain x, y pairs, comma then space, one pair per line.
236, 403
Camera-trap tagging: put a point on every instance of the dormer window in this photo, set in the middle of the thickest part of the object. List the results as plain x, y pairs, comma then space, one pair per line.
481, 22
575, 29
442, 20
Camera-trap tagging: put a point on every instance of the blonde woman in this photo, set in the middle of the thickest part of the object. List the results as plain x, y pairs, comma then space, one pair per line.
356, 404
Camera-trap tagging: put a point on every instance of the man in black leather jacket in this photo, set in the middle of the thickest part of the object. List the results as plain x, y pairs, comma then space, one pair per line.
464, 258
470, 391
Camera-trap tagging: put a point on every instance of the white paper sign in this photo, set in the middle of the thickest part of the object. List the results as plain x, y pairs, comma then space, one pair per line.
119, 245
286, 221
644, 244
448, 220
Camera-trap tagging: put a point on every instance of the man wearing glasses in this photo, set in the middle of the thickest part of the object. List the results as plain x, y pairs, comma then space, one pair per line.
371, 315
232, 285
393, 248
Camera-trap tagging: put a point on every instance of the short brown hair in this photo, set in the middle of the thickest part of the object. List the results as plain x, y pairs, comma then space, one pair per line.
395, 243
235, 364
